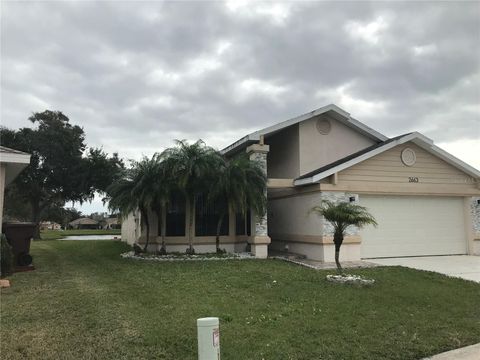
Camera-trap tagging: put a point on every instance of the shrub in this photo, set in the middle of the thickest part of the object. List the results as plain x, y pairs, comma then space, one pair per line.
6, 257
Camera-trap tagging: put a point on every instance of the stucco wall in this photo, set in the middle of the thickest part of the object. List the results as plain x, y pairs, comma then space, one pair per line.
2, 192
317, 150
129, 228
294, 228
283, 158
291, 216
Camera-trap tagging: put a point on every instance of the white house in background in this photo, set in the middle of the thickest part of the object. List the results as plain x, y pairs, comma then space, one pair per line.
426, 201
50, 225
12, 162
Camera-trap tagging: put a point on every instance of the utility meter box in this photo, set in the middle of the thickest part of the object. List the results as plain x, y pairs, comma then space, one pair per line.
208, 338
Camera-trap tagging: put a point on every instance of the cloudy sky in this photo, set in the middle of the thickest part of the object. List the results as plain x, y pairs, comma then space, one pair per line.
137, 75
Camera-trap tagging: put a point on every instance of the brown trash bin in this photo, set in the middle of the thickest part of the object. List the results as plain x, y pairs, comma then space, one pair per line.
19, 236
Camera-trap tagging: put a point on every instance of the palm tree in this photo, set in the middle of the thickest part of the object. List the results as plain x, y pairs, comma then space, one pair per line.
191, 166
136, 190
241, 184
163, 186
341, 216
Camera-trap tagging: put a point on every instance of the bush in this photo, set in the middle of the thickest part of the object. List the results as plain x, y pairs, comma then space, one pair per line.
6, 257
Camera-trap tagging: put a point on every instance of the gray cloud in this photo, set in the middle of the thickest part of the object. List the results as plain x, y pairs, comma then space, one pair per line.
136, 75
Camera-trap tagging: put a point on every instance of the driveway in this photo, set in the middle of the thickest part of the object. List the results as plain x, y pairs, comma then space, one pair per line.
462, 266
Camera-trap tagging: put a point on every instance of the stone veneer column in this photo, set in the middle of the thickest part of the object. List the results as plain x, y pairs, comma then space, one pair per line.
475, 216
259, 240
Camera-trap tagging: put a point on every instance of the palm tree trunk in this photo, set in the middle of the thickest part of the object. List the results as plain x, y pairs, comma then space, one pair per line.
191, 250
338, 240
147, 224
219, 226
163, 249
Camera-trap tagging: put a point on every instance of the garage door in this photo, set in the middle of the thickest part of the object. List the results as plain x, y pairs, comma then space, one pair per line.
414, 226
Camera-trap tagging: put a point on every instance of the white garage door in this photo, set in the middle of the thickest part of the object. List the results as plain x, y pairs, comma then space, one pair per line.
414, 226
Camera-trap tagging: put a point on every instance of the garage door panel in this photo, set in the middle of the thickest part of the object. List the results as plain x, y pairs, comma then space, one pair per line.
414, 226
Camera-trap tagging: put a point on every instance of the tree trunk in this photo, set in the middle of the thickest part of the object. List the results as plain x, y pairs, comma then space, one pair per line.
338, 240
147, 224
36, 219
191, 250
217, 238
163, 249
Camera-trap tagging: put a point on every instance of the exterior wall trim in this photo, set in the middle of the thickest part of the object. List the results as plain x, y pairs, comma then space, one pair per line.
315, 239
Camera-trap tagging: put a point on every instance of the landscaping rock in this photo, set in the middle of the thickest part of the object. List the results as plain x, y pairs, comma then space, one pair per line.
4, 283
350, 279
185, 257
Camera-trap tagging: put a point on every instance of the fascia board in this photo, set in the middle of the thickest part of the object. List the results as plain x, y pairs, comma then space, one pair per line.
14, 158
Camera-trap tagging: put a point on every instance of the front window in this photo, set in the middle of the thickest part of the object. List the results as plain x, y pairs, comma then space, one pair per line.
175, 216
207, 216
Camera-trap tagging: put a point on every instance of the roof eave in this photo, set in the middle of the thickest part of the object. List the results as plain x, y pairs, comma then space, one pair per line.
344, 115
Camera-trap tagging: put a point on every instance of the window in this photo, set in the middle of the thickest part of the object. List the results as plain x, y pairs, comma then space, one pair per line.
243, 224
175, 216
207, 216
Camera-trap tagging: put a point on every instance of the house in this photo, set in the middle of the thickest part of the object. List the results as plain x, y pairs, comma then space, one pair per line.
12, 162
83, 223
426, 201
50, 225
111, 224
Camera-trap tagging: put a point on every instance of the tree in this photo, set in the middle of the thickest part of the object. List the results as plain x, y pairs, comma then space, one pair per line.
240, 183
61, 215
341, 216
162, 188
136, 190
192, 167
58, 171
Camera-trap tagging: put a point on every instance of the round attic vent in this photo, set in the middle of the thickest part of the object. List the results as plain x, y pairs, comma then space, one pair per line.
408, 157
324, 126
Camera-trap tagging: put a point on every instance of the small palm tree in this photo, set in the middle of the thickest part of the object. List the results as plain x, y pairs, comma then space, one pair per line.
241, 183
191, 166
341, 216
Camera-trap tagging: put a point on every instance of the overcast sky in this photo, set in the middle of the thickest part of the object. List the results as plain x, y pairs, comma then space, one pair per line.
137, 75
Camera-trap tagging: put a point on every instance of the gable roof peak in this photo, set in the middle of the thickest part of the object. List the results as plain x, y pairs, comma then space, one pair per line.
331, 110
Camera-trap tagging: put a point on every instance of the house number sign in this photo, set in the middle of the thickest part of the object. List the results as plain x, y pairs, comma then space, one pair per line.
413, 179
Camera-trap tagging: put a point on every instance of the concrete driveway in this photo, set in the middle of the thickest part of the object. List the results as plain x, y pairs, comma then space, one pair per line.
462, 266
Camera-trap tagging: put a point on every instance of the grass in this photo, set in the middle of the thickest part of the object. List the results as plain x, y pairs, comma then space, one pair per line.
85, 302
58, 234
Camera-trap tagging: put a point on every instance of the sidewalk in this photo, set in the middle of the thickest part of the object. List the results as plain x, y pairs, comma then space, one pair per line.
319, 265
471, 352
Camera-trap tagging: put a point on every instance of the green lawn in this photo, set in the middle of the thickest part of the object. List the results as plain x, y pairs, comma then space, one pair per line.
84, 301
58, 234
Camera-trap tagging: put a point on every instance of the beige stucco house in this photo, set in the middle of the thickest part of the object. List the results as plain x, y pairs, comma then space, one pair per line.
12, 162
426, 201
84, 223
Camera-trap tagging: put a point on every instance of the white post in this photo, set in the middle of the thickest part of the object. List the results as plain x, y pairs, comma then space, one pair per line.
208, 338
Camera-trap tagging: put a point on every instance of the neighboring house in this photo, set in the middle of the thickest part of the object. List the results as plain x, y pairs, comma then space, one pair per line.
426, 201
111, 224
50, 225
12, 162
84, 223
